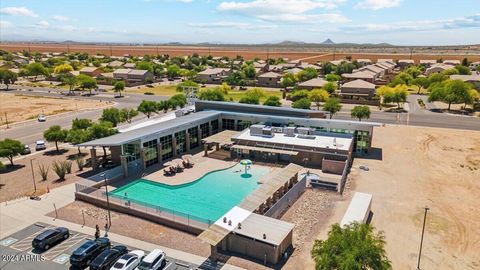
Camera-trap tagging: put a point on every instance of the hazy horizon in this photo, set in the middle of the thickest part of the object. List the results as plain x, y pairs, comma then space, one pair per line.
252, 22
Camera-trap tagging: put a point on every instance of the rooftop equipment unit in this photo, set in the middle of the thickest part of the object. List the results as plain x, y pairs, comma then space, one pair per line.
289, 131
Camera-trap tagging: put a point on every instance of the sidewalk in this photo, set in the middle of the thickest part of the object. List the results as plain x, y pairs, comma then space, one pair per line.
18, 214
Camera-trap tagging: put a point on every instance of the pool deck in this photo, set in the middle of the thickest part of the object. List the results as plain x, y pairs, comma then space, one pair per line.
203, 165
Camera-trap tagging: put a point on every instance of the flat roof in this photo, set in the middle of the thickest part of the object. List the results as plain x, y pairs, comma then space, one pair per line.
313, 141
224, 137
255, 226
357, 209
152, 130
264, 149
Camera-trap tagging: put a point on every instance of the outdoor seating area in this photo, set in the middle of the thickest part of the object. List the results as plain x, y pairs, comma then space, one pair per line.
178, 165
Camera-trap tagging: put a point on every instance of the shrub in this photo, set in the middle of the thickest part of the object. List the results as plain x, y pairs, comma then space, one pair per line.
60, 169
44, 171
68, 166
80, 162
303, 103
297, 95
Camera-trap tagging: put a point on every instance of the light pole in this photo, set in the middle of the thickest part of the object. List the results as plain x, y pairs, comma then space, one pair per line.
33, 175
421, 241
108, 201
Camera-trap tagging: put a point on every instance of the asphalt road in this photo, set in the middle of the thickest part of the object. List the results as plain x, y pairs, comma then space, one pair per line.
30, 131
16, 252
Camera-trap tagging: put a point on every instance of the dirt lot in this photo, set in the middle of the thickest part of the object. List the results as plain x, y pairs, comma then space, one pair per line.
419, 166
250, 52
24, 107
17, 182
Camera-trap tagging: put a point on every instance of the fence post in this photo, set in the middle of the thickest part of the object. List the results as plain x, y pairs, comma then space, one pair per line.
56, 213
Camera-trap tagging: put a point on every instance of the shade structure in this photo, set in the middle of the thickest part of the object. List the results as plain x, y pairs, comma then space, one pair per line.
187, 156
246, 162
177, 161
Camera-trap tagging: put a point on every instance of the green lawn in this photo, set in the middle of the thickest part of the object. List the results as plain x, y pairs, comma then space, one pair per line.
236, 95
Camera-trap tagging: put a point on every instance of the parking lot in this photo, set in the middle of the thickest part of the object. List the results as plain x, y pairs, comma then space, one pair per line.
16, 251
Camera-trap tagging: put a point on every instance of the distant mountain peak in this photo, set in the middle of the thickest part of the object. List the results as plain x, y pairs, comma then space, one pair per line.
328, 41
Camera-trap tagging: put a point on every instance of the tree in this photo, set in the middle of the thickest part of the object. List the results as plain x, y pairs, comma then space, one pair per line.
178, 100
451, 91
7, 77
332, 106
437, 78
10, 148
398, 95
119, 86
144, 65
147, 107
127, 114
81, 123
214, 94
303, 103
298, 94
236, 78
101, 130
288, 80
249, 71
111, 115
273, 101
330, 87
414, 71
463, 70
318, 96
78, 136
36, 69
307, 74
70, 80
55, 134
355, 246
62, 69
360, 112
253, 96
173, 71
332, 77
421, 82
87, 82
401, 78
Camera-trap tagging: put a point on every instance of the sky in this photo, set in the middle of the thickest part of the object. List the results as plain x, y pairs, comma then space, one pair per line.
398, 22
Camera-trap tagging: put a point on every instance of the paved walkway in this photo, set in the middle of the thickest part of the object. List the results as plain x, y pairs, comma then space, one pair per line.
18, 214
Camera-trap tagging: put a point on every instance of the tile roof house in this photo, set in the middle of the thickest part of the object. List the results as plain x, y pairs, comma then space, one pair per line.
129, 65
90, 71
473, 79
452, 62
366, 75
427, 62
358, 89
312, 83
115, 64
294, 70
211, 75
271, 79
437, 68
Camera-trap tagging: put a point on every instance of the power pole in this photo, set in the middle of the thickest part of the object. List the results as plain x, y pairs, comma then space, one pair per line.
333, 53
33, 175
111, 51
411, 53
421, 241
6, 119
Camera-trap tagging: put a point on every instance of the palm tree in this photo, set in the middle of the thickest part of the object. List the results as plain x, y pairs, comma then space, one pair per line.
354, 246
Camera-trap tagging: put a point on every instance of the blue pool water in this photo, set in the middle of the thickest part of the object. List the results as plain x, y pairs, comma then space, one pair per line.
207, 198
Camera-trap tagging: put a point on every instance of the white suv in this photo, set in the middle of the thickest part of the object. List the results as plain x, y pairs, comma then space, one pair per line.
153, 261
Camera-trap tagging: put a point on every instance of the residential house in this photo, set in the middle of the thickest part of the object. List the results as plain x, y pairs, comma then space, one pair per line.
357, 89
121, 74
212, 75
437, 68
364, 62
294, 70
90, 71
139, 75
428, 63
366, 75
129, 65
262, 66
452, 62
115, 64
312, 83
270, 79
473, 79
405, 63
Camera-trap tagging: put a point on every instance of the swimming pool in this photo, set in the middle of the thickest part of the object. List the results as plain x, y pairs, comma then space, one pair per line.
208, 197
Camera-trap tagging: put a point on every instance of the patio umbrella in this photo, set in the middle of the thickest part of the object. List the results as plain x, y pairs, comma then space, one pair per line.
177, 161
169, 163
246, 162
187, 156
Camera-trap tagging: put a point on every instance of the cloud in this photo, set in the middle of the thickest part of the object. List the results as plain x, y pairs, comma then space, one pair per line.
5, 24
377, 4
184, 1
18, 11
472, 21
284, 10
42, 24
61, 18
237, 25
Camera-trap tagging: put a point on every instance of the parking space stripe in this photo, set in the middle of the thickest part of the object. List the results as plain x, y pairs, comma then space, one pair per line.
60, 248
168, 265
26, 243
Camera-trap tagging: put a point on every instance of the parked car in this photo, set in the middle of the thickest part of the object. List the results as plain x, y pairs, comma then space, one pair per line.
26, 150
50, 238
153, 261
40, 145
108, 257
88, 251
42, 118
129, 261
